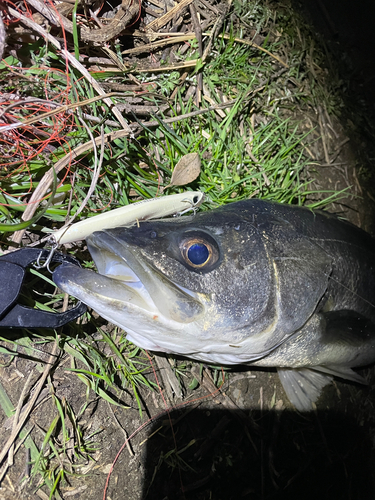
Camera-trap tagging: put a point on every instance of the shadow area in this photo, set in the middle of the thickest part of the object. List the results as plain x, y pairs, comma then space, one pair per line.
222, 454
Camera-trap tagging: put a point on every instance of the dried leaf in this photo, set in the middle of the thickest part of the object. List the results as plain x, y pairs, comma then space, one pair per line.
186, 170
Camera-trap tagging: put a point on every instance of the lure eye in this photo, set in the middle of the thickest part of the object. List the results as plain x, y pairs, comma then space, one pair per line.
198, 252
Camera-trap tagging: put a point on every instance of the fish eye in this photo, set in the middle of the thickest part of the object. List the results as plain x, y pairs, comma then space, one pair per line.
197, 252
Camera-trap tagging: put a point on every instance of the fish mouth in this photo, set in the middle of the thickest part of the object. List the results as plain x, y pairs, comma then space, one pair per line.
126, 284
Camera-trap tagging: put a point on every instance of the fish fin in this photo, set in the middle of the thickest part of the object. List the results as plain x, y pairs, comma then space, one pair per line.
303, 386
342, 372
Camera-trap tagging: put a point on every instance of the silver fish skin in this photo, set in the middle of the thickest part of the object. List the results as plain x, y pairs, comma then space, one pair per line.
252, 282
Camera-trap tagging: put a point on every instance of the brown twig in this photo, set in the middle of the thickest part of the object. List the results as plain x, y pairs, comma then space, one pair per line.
171, 383
149, 47
2, 37
198, 35
126, 436
127, 11
17, 415
163, 20
31, 403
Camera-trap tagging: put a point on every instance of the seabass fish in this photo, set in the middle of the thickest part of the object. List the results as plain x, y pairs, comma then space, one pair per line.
253, 282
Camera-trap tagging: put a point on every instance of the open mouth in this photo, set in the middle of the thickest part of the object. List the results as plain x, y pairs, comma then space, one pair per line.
114, 258
123, 261
125, 281
115, 286
114, 267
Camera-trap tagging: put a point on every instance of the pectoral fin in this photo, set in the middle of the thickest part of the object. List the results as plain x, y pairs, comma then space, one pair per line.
303, 386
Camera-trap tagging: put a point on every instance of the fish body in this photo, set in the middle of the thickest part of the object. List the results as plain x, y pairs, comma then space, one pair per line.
252, 282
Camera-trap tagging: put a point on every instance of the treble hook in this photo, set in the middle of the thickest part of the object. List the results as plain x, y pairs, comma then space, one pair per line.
194, 206
45, 265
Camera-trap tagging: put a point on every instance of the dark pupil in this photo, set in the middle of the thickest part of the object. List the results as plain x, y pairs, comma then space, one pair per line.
198, 254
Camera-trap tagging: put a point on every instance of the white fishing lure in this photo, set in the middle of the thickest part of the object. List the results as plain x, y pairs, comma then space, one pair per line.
154, 208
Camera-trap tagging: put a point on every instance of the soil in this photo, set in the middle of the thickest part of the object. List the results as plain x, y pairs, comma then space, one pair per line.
246, 443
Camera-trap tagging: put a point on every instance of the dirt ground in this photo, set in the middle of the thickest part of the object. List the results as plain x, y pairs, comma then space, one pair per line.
246, 442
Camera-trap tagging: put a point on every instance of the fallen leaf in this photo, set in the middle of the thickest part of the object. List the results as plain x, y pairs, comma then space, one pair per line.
187, 170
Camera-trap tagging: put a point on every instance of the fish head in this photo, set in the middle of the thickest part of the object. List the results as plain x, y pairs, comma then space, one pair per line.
203, 286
